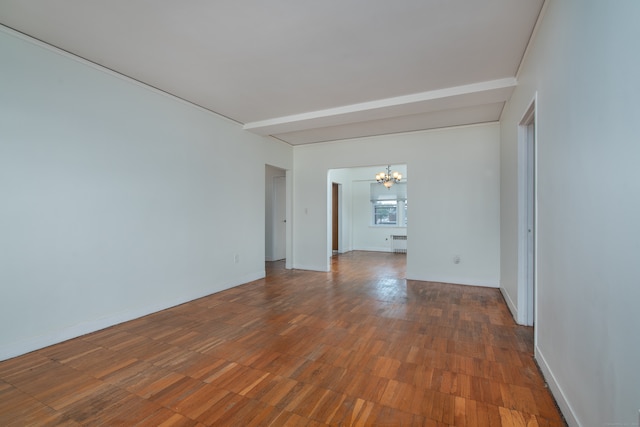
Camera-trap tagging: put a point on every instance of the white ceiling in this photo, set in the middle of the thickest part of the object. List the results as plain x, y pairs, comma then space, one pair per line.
303, 71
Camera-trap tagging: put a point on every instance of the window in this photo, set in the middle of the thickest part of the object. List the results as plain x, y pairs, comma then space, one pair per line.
385, 212
389, 205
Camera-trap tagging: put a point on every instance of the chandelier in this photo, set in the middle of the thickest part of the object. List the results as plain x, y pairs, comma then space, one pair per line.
388, 178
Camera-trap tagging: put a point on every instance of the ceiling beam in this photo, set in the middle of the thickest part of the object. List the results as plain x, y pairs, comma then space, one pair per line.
423, 102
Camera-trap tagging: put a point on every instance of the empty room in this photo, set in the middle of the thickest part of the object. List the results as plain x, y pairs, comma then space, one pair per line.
419, 212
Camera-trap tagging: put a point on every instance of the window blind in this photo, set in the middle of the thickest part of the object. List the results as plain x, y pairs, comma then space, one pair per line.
397, 192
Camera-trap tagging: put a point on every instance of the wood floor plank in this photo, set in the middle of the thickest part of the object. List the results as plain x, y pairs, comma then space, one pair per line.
359, 345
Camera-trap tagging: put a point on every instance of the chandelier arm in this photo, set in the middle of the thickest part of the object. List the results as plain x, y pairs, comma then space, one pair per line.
388, 178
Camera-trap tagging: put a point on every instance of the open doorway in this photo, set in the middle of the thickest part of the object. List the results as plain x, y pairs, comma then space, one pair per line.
275, 214
364, 215
527, 217
335, 218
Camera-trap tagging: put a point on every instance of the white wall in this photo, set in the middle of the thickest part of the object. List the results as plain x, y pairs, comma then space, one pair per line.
113, 204
454, 194
584, 66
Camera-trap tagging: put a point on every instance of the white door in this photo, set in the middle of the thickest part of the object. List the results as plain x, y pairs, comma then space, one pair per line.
279, 218
531, 223
527, 218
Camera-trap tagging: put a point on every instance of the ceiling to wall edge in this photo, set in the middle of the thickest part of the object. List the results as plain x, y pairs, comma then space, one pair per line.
474, 94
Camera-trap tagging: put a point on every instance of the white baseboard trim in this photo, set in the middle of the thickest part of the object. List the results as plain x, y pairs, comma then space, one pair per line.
30, 344
457, 281
556, 390
374, 249
323, 269
513, 308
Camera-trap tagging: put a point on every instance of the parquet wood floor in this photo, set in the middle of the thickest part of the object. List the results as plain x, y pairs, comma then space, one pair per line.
355, 347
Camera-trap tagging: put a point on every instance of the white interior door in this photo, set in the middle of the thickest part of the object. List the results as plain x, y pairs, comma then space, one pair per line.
531, 223
527, 221
279, 217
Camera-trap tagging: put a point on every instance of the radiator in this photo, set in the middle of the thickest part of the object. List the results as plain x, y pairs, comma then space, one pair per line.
398, 244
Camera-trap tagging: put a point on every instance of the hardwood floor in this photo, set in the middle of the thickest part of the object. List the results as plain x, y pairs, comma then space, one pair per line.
357, 346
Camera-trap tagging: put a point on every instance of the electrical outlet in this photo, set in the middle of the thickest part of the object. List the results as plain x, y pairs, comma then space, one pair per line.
236, 258
456, 259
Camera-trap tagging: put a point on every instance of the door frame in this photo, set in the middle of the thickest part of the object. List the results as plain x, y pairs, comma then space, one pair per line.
272, 171
279, 186
527, 215
336, 218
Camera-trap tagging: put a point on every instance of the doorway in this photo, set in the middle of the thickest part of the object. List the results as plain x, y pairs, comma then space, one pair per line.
335, 218
527, 217
275, 214
279, 217
351, 211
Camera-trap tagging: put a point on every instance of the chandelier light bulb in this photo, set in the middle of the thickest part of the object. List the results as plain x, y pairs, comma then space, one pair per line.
388, 178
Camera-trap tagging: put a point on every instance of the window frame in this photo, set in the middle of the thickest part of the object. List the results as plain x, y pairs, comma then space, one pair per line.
395, 196
401, 213
389, 204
